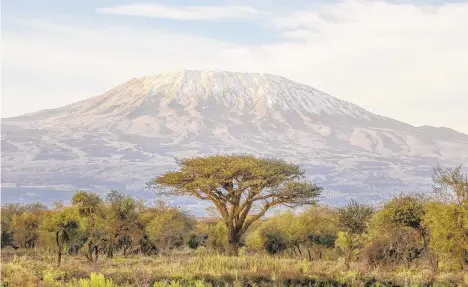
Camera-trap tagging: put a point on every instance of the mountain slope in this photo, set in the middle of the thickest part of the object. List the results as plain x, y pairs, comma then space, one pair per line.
135, 131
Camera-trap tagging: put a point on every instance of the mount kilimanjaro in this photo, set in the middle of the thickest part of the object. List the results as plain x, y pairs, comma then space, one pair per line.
135, 131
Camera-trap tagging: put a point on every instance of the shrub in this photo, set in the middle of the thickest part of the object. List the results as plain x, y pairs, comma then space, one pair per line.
194, 241
275, 243
399, 245
15, 274
95, 280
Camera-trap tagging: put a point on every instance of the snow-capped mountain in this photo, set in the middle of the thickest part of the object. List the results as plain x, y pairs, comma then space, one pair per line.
126, 136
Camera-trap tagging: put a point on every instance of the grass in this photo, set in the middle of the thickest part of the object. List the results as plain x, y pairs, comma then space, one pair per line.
29, 268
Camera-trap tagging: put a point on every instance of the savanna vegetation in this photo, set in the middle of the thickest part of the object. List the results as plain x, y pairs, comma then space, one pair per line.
118, 240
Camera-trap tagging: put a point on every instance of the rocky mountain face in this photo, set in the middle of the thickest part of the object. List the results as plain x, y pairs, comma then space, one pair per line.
126, 136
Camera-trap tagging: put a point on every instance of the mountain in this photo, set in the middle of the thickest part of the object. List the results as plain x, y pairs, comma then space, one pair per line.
135, 131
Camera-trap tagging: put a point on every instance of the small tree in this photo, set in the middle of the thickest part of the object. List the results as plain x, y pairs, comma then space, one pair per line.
348, 244
8, 212
122, 218
353, 217
241, 187
319, 225
447, 217
91, 209
321, 241
65, 223
24, 228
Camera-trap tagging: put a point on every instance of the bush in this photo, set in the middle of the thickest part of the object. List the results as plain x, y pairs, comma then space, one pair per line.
327, 241
275, 243
194, 241
399, 245
15, 274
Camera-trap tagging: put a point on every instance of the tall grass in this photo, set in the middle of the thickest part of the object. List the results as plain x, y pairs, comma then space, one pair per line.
182, 269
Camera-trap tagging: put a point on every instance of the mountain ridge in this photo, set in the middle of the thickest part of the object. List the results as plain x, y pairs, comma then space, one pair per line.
137, 128
185, 72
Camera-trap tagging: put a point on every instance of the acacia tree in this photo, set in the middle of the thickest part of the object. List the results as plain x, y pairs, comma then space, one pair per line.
122, 218
353, 219
91, 210
65, 223
241, 187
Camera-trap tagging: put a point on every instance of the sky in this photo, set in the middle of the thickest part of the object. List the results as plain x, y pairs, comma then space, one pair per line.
407, 60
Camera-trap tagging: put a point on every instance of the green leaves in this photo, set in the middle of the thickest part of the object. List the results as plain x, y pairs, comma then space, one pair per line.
236, 184
227, 172
354, 217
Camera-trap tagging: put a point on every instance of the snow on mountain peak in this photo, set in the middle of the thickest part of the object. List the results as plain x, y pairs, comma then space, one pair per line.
190, 92
252, 92
137, 129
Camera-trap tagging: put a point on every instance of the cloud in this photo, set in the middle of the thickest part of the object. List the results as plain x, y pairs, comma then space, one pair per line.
183, 12
402, 61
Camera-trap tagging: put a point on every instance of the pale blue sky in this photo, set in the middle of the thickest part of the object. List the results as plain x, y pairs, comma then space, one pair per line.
402, 59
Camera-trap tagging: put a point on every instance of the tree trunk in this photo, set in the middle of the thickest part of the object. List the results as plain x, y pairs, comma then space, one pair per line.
233, 249
96, 252
59, 257
110, 251
348, 260
110, 248
59, 247
310, 256
434, 263
299, 248
319, 253
233, 241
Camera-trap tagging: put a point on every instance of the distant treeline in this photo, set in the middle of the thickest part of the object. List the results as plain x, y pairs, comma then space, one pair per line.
408, 230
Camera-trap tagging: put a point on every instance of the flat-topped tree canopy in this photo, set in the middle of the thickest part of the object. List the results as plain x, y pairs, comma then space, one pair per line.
237, 185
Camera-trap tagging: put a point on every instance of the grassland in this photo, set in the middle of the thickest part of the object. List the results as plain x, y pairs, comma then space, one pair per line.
200, 268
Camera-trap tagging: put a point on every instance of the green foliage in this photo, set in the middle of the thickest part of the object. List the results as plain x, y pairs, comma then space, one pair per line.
24, 228
399, 245
327, 241
316, 227
319, 220
451, 185
166, 226
87, 203
275, 243
218, 238
286, 224
236, 185
448, 226
447, 217
348, 243
397, 234
65, 223
32, 268
95, 280
194, 241
354, 217
14, 274
122, 220
401, 211
255, 240
409, 233
180, 282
